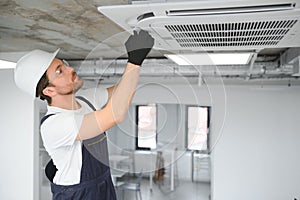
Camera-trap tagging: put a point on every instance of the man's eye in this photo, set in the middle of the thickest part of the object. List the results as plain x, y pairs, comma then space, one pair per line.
58, 72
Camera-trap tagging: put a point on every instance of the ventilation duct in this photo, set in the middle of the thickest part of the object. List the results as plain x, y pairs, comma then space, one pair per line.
296, 66
213, 25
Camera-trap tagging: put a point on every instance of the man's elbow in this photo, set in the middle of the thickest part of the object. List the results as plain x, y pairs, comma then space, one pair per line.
113, 116
120, 118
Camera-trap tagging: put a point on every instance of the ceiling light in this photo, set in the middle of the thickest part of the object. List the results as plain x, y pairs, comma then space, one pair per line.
7, 64
210, 58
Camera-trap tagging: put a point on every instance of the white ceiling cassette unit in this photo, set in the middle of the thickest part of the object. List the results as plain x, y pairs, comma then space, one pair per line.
213, 25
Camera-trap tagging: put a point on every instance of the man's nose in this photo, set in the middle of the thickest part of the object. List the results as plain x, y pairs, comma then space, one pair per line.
70, 69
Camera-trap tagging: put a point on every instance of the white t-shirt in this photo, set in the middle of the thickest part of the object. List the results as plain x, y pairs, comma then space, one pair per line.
59, 132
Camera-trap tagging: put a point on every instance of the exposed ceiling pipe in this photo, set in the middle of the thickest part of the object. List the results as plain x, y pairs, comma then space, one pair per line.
248, 76
296, 66
289, 56
163, 68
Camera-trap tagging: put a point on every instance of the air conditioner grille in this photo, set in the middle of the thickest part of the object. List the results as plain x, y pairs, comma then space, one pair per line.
263, 33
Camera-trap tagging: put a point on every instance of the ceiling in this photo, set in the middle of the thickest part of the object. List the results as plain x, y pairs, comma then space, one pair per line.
77, 28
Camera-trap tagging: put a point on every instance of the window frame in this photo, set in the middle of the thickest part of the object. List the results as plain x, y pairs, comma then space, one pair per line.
137, 127
207, 151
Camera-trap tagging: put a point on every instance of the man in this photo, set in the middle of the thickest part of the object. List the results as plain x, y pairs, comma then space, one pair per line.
73, 130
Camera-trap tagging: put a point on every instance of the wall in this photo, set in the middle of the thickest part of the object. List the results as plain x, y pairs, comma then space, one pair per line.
255, 130
171, 101
257, 156
17, 141
255, 137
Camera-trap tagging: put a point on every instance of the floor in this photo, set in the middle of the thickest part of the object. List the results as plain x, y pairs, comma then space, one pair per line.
184, 190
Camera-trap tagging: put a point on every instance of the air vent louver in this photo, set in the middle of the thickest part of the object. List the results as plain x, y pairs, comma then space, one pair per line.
214, 25
263, 33
232, 10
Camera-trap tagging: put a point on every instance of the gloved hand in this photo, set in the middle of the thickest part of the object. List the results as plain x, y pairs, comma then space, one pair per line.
138, 46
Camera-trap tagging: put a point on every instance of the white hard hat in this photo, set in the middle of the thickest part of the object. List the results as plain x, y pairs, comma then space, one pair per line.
30, 68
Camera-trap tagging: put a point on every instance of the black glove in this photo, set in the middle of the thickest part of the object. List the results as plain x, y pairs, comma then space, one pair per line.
138, 46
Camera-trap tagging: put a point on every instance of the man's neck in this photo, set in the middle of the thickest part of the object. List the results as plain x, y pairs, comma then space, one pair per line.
67, 102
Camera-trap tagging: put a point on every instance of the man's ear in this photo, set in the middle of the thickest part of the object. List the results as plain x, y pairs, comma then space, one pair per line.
49, 91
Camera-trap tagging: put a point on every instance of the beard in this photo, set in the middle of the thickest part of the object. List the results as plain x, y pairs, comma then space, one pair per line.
77, 84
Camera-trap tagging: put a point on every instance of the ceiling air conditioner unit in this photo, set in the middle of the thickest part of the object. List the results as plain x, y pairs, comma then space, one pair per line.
213, 25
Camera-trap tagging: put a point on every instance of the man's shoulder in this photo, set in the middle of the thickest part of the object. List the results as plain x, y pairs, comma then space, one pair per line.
59, 117
96, 96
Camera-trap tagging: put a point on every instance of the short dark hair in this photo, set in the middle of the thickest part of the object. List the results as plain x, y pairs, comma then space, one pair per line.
42, 84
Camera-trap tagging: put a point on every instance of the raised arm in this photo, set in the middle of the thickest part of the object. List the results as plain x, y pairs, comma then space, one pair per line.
95, 123
111, 90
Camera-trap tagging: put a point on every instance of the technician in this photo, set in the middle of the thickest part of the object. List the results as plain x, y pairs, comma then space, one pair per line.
73, 130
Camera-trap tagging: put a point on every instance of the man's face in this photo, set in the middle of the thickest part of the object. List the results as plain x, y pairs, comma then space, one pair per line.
63, 78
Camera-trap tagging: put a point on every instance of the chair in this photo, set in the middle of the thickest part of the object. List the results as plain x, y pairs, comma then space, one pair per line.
127, 164
133, 186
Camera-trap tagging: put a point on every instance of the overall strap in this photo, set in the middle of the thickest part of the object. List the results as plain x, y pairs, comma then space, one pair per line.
45, 117
87, 102
78, 97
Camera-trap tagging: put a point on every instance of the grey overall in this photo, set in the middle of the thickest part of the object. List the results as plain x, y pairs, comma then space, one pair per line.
95, 179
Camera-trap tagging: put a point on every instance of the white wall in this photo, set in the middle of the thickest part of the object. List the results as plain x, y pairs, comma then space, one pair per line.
16, 144
171, 101
257, 156
255, 137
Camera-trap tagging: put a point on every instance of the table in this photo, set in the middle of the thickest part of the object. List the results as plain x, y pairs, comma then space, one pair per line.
114, 159
116, 174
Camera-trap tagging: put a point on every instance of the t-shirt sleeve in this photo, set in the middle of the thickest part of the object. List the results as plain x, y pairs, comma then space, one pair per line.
97, 96
61, 130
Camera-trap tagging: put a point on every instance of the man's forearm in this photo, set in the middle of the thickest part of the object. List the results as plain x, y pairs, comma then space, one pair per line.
137, 46
122, 96
116, 108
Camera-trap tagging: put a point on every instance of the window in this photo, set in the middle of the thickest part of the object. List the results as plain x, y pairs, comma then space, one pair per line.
197, 128
146, 127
